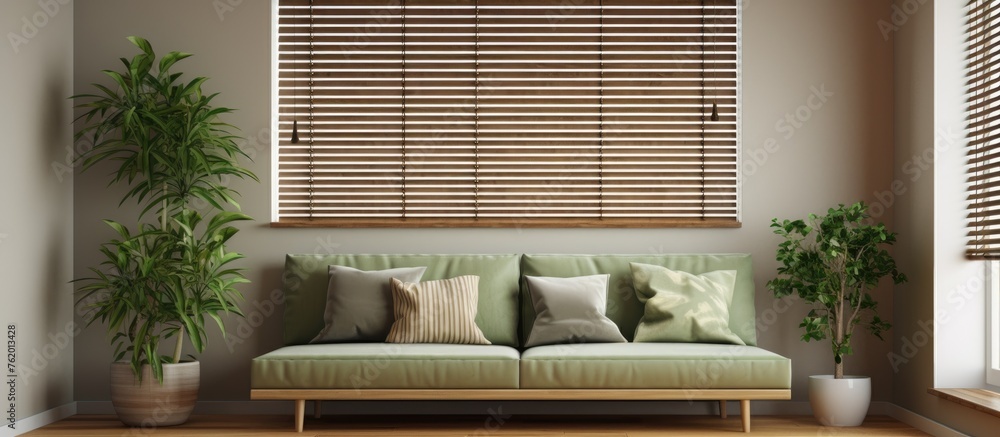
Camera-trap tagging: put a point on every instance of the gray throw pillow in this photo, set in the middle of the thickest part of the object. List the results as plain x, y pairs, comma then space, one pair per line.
571, 310
359, 303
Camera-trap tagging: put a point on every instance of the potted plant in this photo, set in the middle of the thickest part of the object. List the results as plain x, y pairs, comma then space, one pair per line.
832, 261
166, 279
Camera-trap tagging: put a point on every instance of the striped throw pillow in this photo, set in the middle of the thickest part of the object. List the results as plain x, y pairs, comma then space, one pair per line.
441, 311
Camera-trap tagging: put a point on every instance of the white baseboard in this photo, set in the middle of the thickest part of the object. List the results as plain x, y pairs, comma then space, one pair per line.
922, 423
39, 420
764, 408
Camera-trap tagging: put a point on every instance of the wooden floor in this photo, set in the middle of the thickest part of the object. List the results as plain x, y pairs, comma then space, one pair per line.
472, 426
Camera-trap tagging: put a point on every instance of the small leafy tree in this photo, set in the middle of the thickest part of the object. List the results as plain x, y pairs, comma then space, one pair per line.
832, 262
174, 156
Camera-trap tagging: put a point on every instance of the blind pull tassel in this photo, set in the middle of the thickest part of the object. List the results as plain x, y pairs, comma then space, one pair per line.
715, 113
295, 131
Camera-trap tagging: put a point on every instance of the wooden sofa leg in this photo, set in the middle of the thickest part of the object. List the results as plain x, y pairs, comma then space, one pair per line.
317, 409
722, 409
745, 414
300, 414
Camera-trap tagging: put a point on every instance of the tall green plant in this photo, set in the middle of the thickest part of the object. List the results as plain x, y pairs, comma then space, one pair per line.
832, 261
171, 151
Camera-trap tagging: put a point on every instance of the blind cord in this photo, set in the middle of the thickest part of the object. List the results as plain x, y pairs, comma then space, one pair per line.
295, 87
715, 92
702, 112
600, 110
476, 115
402, 37
312, 151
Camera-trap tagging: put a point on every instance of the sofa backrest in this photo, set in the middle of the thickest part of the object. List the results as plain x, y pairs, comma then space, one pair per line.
623, 306
306, 279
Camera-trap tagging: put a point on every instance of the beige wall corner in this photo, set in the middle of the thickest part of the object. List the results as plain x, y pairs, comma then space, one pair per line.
36, 204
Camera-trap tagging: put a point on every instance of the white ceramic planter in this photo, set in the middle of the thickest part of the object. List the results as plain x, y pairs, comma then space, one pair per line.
840, 402
151, 404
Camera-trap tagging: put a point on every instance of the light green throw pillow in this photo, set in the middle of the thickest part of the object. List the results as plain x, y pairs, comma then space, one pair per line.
683, 307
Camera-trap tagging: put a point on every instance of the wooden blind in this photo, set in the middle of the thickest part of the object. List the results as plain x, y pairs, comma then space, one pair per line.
983, 84
614, 113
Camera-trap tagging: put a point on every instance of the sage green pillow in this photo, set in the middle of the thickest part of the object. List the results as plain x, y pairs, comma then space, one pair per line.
571, 310
684, 307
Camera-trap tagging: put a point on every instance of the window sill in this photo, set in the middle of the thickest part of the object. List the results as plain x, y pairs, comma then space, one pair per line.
978, 399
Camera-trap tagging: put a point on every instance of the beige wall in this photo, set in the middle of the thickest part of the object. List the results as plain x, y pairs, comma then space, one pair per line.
914, 131
839, 152
36, 202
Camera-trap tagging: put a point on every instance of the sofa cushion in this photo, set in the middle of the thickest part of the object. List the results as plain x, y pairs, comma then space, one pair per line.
623, 306
570, 310
386, 366
442, 311
687, 366
683, 307
359, 303
305, 282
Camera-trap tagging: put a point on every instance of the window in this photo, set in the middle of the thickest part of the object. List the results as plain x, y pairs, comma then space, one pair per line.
983, 75
503, 113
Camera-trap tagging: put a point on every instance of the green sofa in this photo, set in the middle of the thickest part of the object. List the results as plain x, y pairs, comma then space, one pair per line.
505, 371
